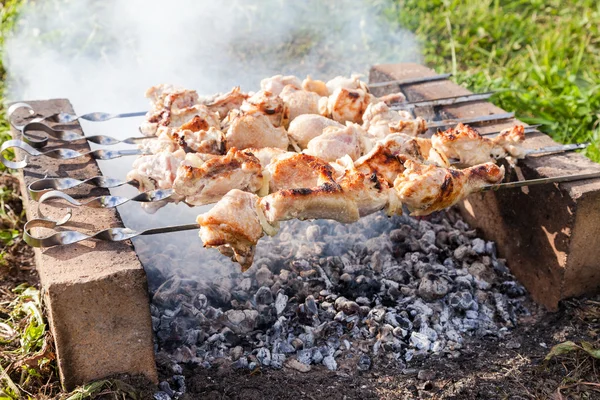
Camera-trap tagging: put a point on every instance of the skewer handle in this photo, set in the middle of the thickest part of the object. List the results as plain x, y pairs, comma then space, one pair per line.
70, 136
108, 201
37, 188
59, 238
61, 154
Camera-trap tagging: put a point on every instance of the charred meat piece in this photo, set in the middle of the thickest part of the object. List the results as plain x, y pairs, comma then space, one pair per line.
427, 188
206, 181
297, 171
268, 104
222, 104
233, 226
470, 148
345, 105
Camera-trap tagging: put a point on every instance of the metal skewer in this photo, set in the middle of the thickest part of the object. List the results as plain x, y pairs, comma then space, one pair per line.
411, 81
446, 101
66, 118
107, 201
120, 234
70, 136
470, 120
528, 129
37, 188
61, 154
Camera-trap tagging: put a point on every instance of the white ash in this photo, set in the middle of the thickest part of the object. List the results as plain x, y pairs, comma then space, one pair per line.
332, 294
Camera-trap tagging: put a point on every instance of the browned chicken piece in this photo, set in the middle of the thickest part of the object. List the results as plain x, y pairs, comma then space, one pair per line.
297, 171
369, 192
224, 103
379, 121
337, 142
255, 130
266, 154
470, 148
327, 201
268, 104
419, 149
315, 86
427, 188
233, 226
206, 181
345, 105
382, 161
299, 101
306, 127
392, 98
275, 84
156, 171
342, 82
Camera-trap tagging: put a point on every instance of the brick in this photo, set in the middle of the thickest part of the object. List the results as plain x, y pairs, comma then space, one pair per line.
95, 292
549, 234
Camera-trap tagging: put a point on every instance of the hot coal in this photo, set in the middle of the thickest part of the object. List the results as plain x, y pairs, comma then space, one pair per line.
332, 294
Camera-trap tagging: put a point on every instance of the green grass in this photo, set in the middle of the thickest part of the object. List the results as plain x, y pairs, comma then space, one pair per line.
543, 56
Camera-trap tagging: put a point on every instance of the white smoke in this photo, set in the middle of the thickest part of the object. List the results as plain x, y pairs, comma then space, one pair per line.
103, 55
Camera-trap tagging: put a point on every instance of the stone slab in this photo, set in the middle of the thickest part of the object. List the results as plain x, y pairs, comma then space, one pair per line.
95, 292
549, 234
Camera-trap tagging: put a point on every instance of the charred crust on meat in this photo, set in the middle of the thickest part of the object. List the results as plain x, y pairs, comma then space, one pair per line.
354, 95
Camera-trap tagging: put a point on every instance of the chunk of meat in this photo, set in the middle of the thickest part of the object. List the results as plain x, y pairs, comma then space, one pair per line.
268, 104
345, 105
327, 201
427, 188
299, 101
266, 154
275, 84
342, 82
206, 181
337, 142
379, 121
306, 127
224, 103
392, 98
156, 171
255, 130
367, 191
470, 148
233, 226
382, 161
298, 171
315, 86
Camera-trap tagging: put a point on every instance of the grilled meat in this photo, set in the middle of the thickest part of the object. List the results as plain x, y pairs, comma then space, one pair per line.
299, 101
428, 188
255, 130
275, 84
306, 127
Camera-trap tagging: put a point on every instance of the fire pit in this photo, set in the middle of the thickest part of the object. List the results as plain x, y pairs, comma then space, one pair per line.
319, 293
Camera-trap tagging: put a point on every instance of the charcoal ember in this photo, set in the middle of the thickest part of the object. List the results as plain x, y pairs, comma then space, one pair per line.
166, 388
161, 396
281, 303
263, 296
347, 306
433, 287
364, 363
277, 360
240, 321
330, 363
322, 292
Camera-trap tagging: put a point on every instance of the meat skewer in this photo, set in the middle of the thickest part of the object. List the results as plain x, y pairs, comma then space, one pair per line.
446, 101
64, 237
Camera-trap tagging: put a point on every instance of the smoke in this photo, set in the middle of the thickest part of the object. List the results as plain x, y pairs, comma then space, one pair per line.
103, 55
